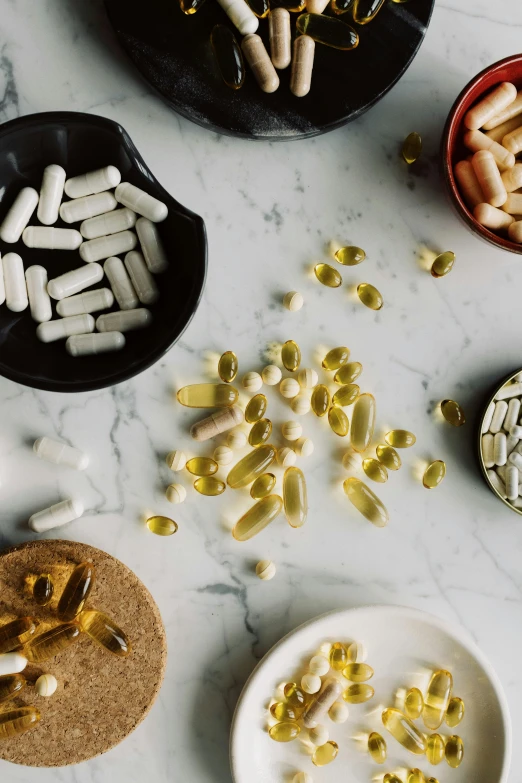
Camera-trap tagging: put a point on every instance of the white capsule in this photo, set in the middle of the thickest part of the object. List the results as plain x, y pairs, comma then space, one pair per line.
151, 245
512, 414
90, 344
511, 444
304, 447
74, 281
300, 404
89, 302
511, 390
176, 493
12, 663
124, 320
293, 301
487, 450
19, 215
307, 378
141, 278
511, 482
39, 302
176, 460
236, 439
515, 458
109, 223
240, 15
55, 516
121, 285
45, 237
357, 652
87, 207
499, 448
319, 664
338, 712
141, 202
291, 430
515, 430
2, 284
286, 457
319, 735
104, 247
289, 388
497, 483
266, 570
60, 328
60, 453
14, 280
223, 455
498, 416
51, 193
518, 376
46, 684
310, 683
271, 375
486, 423
93, 182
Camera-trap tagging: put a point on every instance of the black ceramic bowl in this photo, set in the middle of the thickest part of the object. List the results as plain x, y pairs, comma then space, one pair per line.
173, 53
80, 143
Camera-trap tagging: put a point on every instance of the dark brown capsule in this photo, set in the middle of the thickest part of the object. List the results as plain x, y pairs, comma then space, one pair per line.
76, 592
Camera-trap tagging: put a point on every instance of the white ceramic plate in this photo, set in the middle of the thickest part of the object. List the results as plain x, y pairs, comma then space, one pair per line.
404, 647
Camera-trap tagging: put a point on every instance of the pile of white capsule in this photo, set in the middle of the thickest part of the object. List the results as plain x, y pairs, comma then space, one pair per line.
502, 441
107, 209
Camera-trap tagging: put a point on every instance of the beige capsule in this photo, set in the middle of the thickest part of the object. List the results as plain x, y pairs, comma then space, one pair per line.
491, 217
316, 6
513, 109
513, 204
468, 183
259, 61
498, 133
216, 423
280, 37
302, 65
475, 140
515, 231
494, 103
513, 141
488, 175
512, 178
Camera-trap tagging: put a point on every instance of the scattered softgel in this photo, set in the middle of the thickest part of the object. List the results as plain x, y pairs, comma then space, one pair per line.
76, 592
202, 466
412, 147
52, 642
336, 358
251, 466
338, 421
400, 439
208, 395
443, 264
348, 373
453, 413
256, 408
320, 400
366, 502
257, 517
325, 754
295, 500
17, 721
285, 731
404, 731
377, 747
228, 364
434, 474
370, 296
104, 631
16, 633
388, 456
43, 589
327, 275
358, 693
210, 486
263, 486
351, 255
454, 751
328, 31
162, 526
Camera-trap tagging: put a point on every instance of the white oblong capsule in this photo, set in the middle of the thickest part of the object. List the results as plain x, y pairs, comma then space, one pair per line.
497, 483
136, 199
120, 283
151, 245
512, 475
302, 65
12, 663
511, 417
93, 182
60, 453
109, 223
511, 390
240, 15
14, 281
124, 320
487, 450
486, 422
280, 35
499, 448
87, 207
74, 281
59, 329
49, 238
141, 278
56, 515
2, 285
39, 301
515, 458
499, 415
51, 193
494, 103
511, 443
90, 344
104, 247
515, 430
19, 215
89, 302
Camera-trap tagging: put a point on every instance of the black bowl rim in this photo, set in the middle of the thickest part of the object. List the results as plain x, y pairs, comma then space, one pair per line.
12, 126
334, 125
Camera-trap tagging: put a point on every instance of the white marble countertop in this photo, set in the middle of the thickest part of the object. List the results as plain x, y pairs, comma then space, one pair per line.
269, 210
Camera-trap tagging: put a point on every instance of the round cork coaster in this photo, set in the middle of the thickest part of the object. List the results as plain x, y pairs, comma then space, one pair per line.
100, 697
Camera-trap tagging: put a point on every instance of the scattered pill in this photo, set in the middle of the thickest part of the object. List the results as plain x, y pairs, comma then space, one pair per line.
320, 400
202, 466
443, 264
263, 486
62, 328
209, 486
176, 493
265, 570
350, 255
51, 193
282, 710
16, 297
327, 275
39, 302
271, 375
207, 395
260, 432
221, 421
237, 439
336, 358
228, 366
400, 439
307, 378
280, 36
294, 695
76, 592
356, 652
93, 182
453, 412
162, 526
289, 388
310, 683
256, 408
260, 63
319, 665
46, 685
326, 753
338, 421
318, 735
370, 296
104, 631
251, 466
377, 747
375, 470
120, 283
16, 633
257, 517
366, 502
404, 731
11, 686
300, 404
435, 473
295, 501
302, 65
252, 381
74, 281
412, 148
223, 455
18, 216
302, 777
176, 460
338, 656
60, 453
304, 447
56, 515
338, 712
90, 302
291, 355
348, 373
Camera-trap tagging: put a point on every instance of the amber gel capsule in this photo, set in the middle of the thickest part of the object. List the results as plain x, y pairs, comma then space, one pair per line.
414, 703
455, 712
453, 413
208, 395
228, 364
346, 395
366, 10
454, 751
295, 695
209, 486
350, 255
257, 518
434, 474
256, 408
363, 422
291, 355
338, 656
260, 432
377, 747
259, 7
162, 526
76, 591
435, 749
412, 148
325, 754
437, 699
190, 6
348, 373
358, 672
388, 456
358, 693
10, 686
366, 502
320, 400
295, 498
336, 358
17, 721
282, 711
404, 731
229, 58
202, 466
263, 486
370, 296
443, 264
251, 466
16, 633
284, 732
325, 273
105, 632
400, 439
338, 421
328, 31
47, 645
43, 589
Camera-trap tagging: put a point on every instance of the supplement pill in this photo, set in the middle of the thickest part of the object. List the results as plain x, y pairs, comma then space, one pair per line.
437, 699
209, 486
291, 430
286, 457
74, 281
291, 355
319, 735
489, 178
388, 456
93, 182
326, 274
346, 395
162, 526
491, 217
271, 375
176, 460
326, 753
512, 477
87, 207
18, 216
513, 204
416, 776
251, 466
435, 749
454, 751
252, 381
400, 439
436, 471
338, 421
320, 400
223, 455
61, 328
12, 663
302, 65
509, 115
455, 712
319, 664
141, 279
294, 695
363, 422
377, 747
142, 203
266, 570
260, 432
295, 498
350, 255
76, 592
453, 413
508, 391
46, 685
443, 264
358, 672
228, 366
51, 193
469, 185
151, 246
16, 633
497, 483
176, 493
108, 223
228, 55
260, 63
289, 388
39, 302
338, 656
310, 683
293, 301
284, 732
366, 502
366, 10
336, 358
494, 103
358, 693
404, 731
47, 645
515, 231
300, 404
338, 712
328, 30
208, 395
348, 373
413, 703
304, 447
351, 460
93, 344
105, 247
52, 238
90, 302
60, 453
120, 283
257, 517
280, 36
216, 423
412, 148
55, 516
302, 777
307, 378
236, 439
43, 589
17, 721
374, 470
370, 296
281, 710
263, 486
202, 466
15, 285
512, 178
123, 320
256, 408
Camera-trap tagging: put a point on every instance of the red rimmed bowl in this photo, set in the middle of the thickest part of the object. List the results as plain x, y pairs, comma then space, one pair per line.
453, 149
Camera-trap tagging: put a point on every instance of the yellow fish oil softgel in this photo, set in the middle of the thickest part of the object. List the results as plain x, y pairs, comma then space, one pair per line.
416, 776
251, 466
16, 633
404, 731
291, 355
302, 65
190, 6
257, 517
341, 6
437, 699
365, 11
435, 749
377, 747
412, 148
295, 695
282, 711
455, 712
208, 395
263, 486
326, 753
325, 273
370, 296
443, 264
261, 8
11, 685
350, 255
346, 395
209, 486
321, 703
202, 466
162, 526
295, 500
358, 693
400, 439
363, 422
320, 400
103, 630
338, 656
260, 63
228, 364
17, 721
374, 470
47, 645
348, 373
390, 777
43, 589
338, 421
358, 672
260, 432
434, 474
454, 751
336, 358
366, 502
256, 408
228, 56
76, 592
328, 31
413, 703
388, 456
453, 413
284, 732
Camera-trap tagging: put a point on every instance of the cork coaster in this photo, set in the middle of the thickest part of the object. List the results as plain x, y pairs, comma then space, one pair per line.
100, 698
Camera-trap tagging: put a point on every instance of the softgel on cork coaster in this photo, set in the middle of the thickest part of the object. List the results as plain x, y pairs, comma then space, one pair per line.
100, 697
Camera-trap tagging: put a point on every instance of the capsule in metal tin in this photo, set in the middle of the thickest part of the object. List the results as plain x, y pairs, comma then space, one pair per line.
370, 296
